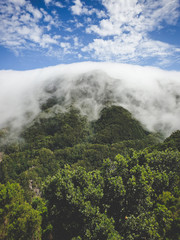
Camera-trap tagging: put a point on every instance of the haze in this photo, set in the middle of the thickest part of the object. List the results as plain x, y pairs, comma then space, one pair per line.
152, 95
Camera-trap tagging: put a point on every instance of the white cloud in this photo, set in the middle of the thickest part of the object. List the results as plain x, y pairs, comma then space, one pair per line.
131, 15
57, 36
88, 20
35, 12
129, 48
81, 9
78, 25
21, 26
54, 3
47, 1
67, 38
128, 25
77, 8
150, 94
58, 4
46, 40
79, 56
66, 46
77, 43
118, 32
18, 2
68, 29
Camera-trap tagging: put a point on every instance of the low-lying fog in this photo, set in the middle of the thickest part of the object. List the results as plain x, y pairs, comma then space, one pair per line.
152, 95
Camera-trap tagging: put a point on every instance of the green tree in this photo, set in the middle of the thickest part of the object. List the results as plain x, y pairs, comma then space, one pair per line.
18, 220
74, 196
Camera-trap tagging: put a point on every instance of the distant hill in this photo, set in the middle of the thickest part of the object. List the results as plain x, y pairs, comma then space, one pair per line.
117, 124
173, 140
72, 178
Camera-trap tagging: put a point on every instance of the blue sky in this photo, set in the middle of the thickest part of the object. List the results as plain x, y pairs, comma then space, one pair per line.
41, 33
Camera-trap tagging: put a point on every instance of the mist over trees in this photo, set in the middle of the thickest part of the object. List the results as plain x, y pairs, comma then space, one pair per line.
67, 177
150, 94
89, 152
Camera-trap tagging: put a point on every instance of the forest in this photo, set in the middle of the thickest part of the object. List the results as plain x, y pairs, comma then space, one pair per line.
68, 178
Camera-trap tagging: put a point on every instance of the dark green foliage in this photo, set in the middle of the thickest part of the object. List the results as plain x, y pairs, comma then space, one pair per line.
30, 166
36, 164
91, 156
40, 205
49, 103
121, 183
18, 220
57, 130
73, 201
130, 194
173, 141
116, 124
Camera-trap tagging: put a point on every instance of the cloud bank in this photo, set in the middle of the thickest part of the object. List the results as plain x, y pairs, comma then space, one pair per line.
152, 95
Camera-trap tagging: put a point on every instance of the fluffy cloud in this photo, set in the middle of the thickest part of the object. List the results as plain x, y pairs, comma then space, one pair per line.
113, 30
79, 9
20, 26
47, 1
55, 3
58, 4
18, 2
128, 48
140, 16
66, 47
128, 25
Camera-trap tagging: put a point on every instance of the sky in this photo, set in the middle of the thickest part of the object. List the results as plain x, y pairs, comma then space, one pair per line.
40, 33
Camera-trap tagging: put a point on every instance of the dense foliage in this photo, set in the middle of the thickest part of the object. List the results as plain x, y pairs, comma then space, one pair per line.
68, 178
18, 220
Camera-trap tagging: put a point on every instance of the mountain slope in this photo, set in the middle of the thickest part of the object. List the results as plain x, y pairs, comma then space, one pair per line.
117, 124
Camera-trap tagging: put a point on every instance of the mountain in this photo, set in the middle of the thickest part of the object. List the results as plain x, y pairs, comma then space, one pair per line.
173, 140
71, 178
69, 137
117, 124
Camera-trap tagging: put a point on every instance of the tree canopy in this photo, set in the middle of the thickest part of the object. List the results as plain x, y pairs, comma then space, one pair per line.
69, 178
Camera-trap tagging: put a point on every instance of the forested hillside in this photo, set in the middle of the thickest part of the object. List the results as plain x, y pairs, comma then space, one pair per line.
68, 178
